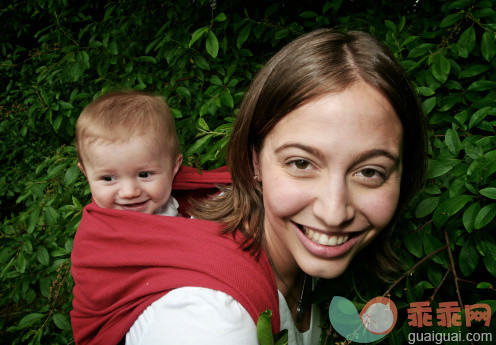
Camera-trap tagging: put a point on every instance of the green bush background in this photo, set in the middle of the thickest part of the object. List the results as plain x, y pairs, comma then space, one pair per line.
201, 55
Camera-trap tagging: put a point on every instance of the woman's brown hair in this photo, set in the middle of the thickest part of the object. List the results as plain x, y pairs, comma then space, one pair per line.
318, 63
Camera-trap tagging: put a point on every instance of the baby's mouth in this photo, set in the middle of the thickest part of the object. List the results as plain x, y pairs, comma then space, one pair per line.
326, 239
136, 204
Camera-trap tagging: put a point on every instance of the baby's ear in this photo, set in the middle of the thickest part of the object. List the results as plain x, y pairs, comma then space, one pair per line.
80, 166
177, 164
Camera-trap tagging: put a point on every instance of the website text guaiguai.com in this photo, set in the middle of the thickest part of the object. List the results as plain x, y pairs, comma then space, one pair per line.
441, 338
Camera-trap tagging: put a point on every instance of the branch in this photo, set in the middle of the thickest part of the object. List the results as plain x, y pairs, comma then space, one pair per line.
412, 269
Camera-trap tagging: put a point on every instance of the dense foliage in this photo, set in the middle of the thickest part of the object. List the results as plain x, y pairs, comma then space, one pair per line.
201, 55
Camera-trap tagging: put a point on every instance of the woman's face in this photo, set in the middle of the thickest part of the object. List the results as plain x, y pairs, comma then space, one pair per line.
331, 173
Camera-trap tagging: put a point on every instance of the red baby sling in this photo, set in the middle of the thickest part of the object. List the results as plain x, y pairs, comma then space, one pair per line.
123, 261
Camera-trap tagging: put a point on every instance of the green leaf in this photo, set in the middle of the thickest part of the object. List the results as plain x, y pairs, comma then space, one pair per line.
264, 328
197, 35
51, 215
33, 218
281, 34
466, 43
420, 50
490, 262
43, 256
227, 99
473, 70
450, 20
438, 168
425, 91
20, 263
112, 48
468, 259
308, 15
448, 208
148, 59
489, 192
215, 80
469, 216
452, 141
440, 67
243, 35
426, 207
485, 216
484, 285
431, 244
201, 62
30, 320
203, 124
488, 45
220, 17
429, 104
478, 116
212, 45
71, 175
61, 321
183, 91
413, 244
197, 145
482, 85
65, 105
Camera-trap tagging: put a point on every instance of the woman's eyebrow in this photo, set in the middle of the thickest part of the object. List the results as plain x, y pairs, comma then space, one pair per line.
310, 149
360, 158
377, 153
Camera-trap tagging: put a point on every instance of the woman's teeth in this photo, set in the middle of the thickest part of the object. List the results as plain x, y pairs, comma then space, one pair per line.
325, 239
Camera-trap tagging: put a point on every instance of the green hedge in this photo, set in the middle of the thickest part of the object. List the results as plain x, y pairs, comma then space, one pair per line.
201, 55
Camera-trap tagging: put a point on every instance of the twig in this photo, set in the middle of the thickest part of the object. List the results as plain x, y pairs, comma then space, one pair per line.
439, 285
412, 269
474, 283
452, 264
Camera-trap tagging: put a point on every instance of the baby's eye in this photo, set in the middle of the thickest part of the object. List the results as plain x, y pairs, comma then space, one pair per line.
144, 174
108, 178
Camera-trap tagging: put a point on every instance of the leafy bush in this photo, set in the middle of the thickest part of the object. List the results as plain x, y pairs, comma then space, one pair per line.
202, 55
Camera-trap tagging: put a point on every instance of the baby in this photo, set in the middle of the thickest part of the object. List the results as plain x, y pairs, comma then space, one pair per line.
128, 150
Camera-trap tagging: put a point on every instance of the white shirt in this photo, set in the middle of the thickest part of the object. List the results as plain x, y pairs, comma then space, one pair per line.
169, 209
194, 315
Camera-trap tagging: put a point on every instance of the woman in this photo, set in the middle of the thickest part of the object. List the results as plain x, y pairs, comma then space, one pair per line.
328, 146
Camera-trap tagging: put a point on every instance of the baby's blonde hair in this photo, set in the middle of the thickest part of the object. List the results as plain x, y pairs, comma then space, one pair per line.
118, 116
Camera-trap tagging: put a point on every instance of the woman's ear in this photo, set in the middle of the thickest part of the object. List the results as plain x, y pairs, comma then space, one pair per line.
256, 165
81, 167
177, 164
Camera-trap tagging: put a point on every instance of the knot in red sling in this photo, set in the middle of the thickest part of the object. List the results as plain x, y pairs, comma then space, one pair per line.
123, 261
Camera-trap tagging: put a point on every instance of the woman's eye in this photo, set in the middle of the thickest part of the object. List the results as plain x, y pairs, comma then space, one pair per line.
301, 164
372, 176
144, 174
369, 172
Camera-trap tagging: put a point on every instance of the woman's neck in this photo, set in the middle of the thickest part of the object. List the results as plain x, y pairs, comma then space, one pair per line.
287, 273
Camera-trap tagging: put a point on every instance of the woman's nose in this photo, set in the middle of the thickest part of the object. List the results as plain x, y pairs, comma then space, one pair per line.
333, 203
129, 189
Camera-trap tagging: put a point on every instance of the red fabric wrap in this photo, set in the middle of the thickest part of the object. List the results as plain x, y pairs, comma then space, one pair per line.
123, 261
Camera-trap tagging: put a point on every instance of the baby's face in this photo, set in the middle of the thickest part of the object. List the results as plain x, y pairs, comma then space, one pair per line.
135, 175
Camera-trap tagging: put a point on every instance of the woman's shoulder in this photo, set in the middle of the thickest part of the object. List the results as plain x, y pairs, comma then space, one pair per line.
194, 315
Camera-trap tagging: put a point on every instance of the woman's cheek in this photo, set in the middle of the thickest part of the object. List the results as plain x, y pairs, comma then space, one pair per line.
284, 197
381, 207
